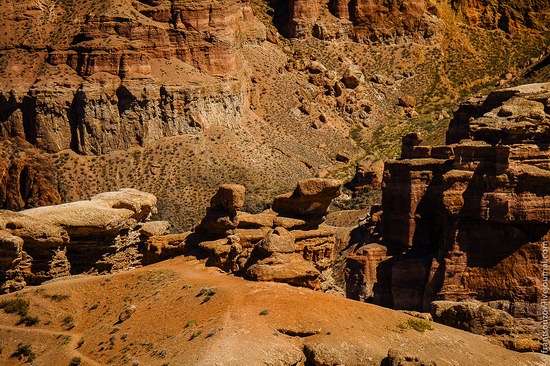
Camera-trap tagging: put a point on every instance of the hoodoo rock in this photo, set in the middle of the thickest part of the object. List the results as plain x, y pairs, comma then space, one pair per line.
467, 220
288, 243
102, 234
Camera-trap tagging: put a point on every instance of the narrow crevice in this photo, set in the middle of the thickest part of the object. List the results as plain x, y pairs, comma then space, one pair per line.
298, 333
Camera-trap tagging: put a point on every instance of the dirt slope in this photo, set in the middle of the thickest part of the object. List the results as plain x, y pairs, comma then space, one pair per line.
242, 323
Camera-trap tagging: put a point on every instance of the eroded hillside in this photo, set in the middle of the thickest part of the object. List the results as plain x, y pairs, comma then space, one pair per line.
178, 97
180, 313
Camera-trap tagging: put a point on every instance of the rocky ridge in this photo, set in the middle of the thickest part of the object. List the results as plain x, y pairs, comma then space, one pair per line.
467, 220
103, 86
286, 243
108, 233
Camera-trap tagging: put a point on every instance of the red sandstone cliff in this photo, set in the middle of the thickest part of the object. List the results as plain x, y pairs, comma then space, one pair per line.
466, 220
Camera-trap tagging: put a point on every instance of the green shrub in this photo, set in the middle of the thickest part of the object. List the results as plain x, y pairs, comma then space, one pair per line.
420, 325
24, 350
68, 321
15, 306
195, 334
75, 361
28, 320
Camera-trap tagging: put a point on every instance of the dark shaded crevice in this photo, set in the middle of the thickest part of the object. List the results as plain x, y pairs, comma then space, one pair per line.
80, 38
73, 117
7, 107
298, 333
28, 109
24, 188
125, 100
281, 15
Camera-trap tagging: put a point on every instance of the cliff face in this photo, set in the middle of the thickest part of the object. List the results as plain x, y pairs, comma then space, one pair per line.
179, 97
131, 59
27, 178
464, 225
507, 15
468, 220
391, 20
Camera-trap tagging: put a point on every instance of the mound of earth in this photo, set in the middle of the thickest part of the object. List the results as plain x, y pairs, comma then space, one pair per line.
179, 312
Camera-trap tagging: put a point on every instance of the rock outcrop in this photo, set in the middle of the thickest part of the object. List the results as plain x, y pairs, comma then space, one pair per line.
27, 178
467, 220
375, 21
287, 243
110, 232
111, 93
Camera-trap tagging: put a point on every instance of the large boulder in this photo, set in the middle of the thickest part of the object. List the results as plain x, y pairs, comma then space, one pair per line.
35, 230
285, 267
472, 316
353, 77
104, 213
277, 241
228, 198
311, 197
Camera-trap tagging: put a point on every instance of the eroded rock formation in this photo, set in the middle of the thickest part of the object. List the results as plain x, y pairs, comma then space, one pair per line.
390, 21
287, 243
466, 220
110, 232
129, 75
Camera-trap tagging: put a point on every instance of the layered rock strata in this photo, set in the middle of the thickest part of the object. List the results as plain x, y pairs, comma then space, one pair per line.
108, 233
390, 21
129, 75
287, 243
467, 220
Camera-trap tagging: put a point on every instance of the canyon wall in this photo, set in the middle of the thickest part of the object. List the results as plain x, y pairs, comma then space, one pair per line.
467, 220
129, 75
162, 95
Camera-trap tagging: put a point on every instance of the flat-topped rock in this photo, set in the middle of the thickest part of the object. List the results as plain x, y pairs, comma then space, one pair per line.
32, 229
107, 233
311, 197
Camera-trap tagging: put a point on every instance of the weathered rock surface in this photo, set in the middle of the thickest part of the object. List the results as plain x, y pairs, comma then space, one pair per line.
473, 317
26, 176
288, 243
467, 220
107, 233
113, 95
393, 20
311, 197
368, 173
519, 335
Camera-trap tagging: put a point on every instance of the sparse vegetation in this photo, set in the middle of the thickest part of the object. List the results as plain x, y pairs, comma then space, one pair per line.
57, 297
208, 293
190, 323
24, 350
28, 320
68, 322
264, 312
20, 307
76, 361
212, 332
15, 306
195, 334
420, 325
